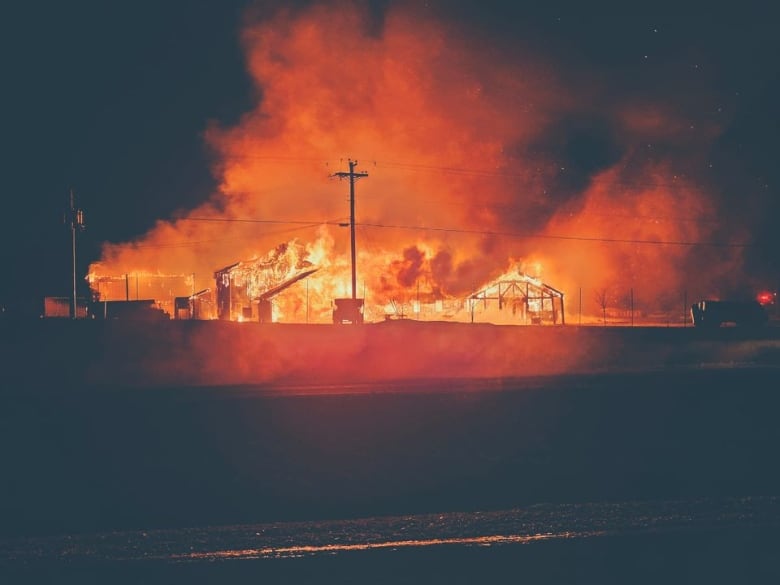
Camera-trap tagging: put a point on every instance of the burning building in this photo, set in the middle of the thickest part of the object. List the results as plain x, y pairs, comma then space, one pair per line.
476, 163
245, 290
160, 289
528, 299
199, 305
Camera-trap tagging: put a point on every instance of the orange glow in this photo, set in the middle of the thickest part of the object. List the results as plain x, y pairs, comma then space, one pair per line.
447, 134
300, 550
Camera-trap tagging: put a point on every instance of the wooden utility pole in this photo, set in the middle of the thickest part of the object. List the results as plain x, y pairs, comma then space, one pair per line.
353, 176
76, 217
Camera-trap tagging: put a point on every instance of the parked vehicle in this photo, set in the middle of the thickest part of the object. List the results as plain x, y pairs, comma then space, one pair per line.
712, 314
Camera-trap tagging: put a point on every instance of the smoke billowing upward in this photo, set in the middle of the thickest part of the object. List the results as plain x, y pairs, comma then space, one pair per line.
479, 162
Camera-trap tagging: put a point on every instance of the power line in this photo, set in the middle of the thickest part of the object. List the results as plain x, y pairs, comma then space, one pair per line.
274, 158
190, 243
271, 221
449, 170
503, 207
669, 218
497, 173
444, 169
493, 233
557, 237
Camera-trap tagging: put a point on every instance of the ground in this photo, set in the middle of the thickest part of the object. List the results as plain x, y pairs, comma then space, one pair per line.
662, 421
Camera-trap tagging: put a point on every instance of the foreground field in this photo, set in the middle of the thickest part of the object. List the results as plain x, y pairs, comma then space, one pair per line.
647, 455
46, 353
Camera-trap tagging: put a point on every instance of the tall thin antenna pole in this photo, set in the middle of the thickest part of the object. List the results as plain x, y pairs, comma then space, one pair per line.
353, 176
74, 308
76, 222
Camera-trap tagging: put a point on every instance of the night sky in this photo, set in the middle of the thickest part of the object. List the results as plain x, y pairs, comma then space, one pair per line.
113, 100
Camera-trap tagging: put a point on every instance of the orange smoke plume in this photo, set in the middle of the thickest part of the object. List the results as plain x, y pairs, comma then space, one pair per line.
464, 178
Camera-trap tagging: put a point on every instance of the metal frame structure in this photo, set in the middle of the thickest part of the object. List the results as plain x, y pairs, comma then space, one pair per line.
533, 299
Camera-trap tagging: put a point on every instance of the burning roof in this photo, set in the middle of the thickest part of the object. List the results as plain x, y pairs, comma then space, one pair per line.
529, 299
242, 285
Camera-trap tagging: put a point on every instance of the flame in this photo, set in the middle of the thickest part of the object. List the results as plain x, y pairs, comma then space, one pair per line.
461, 186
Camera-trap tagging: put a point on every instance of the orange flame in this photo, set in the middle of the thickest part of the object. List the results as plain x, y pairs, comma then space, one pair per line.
456, 193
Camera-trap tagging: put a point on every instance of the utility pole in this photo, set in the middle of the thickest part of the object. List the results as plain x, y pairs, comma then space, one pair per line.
76, 223
353, 176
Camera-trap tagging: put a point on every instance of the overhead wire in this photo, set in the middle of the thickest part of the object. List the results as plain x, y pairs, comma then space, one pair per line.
188, 243
497, 233
305, 224
558, 237
443, 169
497, 173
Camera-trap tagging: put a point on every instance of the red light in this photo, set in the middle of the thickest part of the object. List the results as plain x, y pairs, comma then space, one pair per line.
765, 297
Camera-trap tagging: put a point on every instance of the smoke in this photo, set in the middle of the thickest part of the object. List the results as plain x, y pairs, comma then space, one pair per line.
478, 162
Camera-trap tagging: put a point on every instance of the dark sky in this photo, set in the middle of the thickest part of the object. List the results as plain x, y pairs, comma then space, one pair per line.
111, 99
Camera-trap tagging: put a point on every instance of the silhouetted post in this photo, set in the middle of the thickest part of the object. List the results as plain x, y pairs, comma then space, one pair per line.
76, 223
563, 311
74, 310
353, 176
685, 308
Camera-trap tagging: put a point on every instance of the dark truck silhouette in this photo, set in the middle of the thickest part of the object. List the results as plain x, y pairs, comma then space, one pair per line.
712, 314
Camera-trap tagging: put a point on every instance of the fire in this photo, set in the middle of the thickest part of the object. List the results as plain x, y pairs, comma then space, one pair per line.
460, 189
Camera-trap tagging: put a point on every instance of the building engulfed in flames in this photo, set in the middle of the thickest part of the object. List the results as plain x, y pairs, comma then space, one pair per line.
159, 289
528, 299
244, 290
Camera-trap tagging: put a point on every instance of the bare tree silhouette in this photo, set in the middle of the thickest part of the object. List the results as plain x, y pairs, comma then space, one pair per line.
601, 299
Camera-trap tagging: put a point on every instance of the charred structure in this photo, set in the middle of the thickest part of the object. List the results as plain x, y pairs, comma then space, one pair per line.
140, 286
529, 299
244, 290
